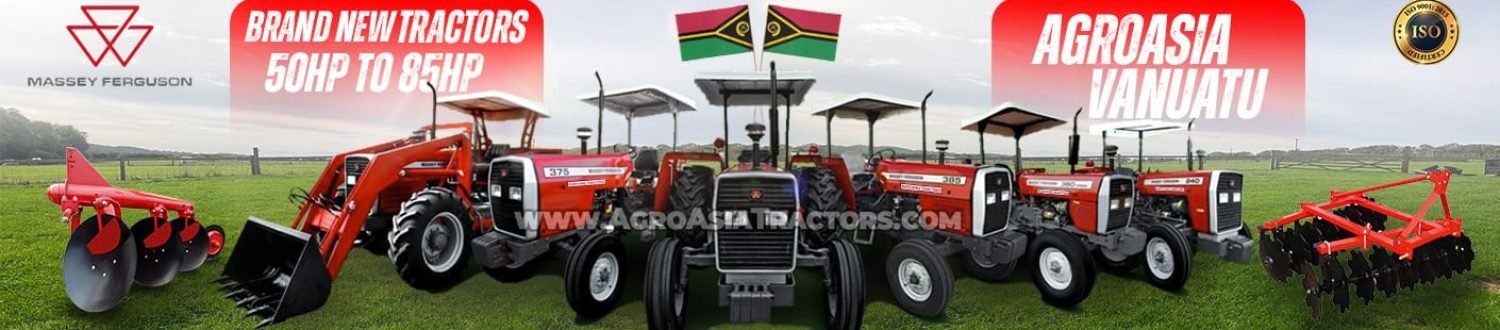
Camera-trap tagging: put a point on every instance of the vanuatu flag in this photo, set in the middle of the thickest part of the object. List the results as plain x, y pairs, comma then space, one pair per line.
801, 32
714, 32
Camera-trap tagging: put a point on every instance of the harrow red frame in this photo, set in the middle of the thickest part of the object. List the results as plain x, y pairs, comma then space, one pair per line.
1400, 240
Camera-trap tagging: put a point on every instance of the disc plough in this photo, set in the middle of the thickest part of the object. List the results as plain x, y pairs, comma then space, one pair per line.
1344, 245
104, 255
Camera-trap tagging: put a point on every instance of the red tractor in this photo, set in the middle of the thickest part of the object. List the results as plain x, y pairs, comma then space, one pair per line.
993, 216
748, 222
103, 256
1202, 204
454, 198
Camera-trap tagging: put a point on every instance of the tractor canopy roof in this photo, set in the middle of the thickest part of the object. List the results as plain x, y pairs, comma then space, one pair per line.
1009, 119
493, 105
1142, 128
865, 106
753, 88
642, 101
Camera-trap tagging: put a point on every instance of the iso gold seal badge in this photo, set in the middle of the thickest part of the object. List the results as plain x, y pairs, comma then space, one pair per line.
1426, 31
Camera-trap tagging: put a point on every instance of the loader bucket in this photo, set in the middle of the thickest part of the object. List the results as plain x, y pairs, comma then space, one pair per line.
275, 273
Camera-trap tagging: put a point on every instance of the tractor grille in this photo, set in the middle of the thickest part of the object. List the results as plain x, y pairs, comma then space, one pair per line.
756, 245
1228, 211
996, 211
1120, 188
507, 193
354, 167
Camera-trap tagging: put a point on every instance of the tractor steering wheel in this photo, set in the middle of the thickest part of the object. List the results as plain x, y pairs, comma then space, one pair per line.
880, 155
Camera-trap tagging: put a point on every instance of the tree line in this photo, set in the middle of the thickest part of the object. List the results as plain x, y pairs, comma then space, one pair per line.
22, 138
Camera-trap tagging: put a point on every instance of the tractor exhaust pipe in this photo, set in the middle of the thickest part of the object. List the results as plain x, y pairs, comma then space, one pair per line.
599, 125
432, 132
924, 126
1190, 144
275, 273
1073, 141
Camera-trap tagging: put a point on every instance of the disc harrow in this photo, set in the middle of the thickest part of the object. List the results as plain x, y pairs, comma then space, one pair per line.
149, 253
1344, 245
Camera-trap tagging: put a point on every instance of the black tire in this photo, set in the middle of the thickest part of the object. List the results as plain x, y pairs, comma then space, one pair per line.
985, 271
823, 201
1169, 270
917, 261
1121, 267
435, 213
598, 250
692, 191
1079, 280
844, 285
666, 287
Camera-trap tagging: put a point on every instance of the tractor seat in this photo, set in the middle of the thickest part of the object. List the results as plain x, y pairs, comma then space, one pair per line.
646, 163
746, 156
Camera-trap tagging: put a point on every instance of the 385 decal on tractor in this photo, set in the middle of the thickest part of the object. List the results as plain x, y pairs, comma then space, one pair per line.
1398, 256
452, 197
103, 255
758, 235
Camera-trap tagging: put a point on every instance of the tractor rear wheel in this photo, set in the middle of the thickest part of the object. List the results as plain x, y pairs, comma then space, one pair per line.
986, 270
844, 284
593, 274
919, 277
666, 287
1063, 272
430, 241
1169, 260
824, 201
692, 192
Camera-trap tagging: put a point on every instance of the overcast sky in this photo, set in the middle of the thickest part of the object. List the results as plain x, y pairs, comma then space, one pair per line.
1359, 89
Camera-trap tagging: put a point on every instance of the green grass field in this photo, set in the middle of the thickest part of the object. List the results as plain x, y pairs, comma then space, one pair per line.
369, 294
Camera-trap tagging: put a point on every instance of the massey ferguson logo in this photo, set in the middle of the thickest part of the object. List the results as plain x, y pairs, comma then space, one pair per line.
755, 194
110, 33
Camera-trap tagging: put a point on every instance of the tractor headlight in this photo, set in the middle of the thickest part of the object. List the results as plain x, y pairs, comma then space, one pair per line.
515, 193
1114, 204
1236, 197
1223, 198
351, 179
1127, 203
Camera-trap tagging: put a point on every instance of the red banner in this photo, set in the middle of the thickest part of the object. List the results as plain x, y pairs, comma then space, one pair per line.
1239, 63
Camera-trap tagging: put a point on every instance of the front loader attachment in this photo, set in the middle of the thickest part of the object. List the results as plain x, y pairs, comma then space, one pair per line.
275, 273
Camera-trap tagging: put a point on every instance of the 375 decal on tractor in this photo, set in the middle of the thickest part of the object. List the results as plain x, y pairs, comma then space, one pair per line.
1379, 257
103, 255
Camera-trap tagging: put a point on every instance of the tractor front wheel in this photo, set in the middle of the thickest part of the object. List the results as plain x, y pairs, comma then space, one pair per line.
1169, 261
1063, 272
844, 284
920, 278
666, 286
593, 273
429, 243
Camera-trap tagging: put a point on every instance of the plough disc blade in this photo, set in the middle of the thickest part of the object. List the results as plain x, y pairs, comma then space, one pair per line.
275, 272
98, 282
194, 243
1466, 252
158, 252
1387, 278
1273, 258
